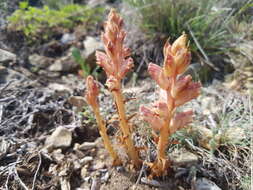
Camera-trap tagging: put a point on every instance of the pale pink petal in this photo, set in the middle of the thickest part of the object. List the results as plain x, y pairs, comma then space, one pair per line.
190, 92
180, 120
125, 67
104, 62
161, 109
180, 84
152, 118
156, 72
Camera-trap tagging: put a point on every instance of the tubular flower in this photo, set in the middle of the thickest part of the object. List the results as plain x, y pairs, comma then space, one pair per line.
175, 91
158, 75
117, 63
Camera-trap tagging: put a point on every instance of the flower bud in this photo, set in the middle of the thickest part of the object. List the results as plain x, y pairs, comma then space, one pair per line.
92, 91
179, 44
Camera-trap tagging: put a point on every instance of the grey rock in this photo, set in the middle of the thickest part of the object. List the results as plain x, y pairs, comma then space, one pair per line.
87, 146
59, 87
77, 101
105, 178
205, 184
183, 157
6, 56
60, 138
40, 61
68, 38
64, 64
95, 184
86, 160
91, 44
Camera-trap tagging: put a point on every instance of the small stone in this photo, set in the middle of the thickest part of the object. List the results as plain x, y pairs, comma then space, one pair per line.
84, 172
64, 64
57, 155
86, 160
59, 87
95, 184
77, 165
6, 56
87, 179
105, 178
76, 146
60, 138
98, 165
40, 61
205, 184
120, 169
183, 157
77, 101
68, 38
91, 45
87, 146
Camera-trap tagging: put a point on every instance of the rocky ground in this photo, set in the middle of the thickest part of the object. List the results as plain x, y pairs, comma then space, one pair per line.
49, 138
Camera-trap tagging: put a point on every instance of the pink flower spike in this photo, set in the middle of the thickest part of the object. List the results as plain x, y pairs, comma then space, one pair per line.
152, 118
157, 74
180, 120
92, 91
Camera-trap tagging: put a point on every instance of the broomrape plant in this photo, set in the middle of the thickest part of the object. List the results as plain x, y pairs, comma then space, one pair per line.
175, 90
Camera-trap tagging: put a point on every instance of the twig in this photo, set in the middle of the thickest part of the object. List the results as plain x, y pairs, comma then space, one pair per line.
140, 174
7, 180
208, 62
20, 181
6, 86
38, 168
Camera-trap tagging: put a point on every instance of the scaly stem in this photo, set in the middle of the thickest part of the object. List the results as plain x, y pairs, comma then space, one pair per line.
105, 137
131, 150
162, 163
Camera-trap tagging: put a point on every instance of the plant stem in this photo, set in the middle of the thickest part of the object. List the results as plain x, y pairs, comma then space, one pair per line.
131, 150
105, 137
162, 163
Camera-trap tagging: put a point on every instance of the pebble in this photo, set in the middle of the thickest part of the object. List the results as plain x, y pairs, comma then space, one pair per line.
86, 160
105, 178
87, 146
